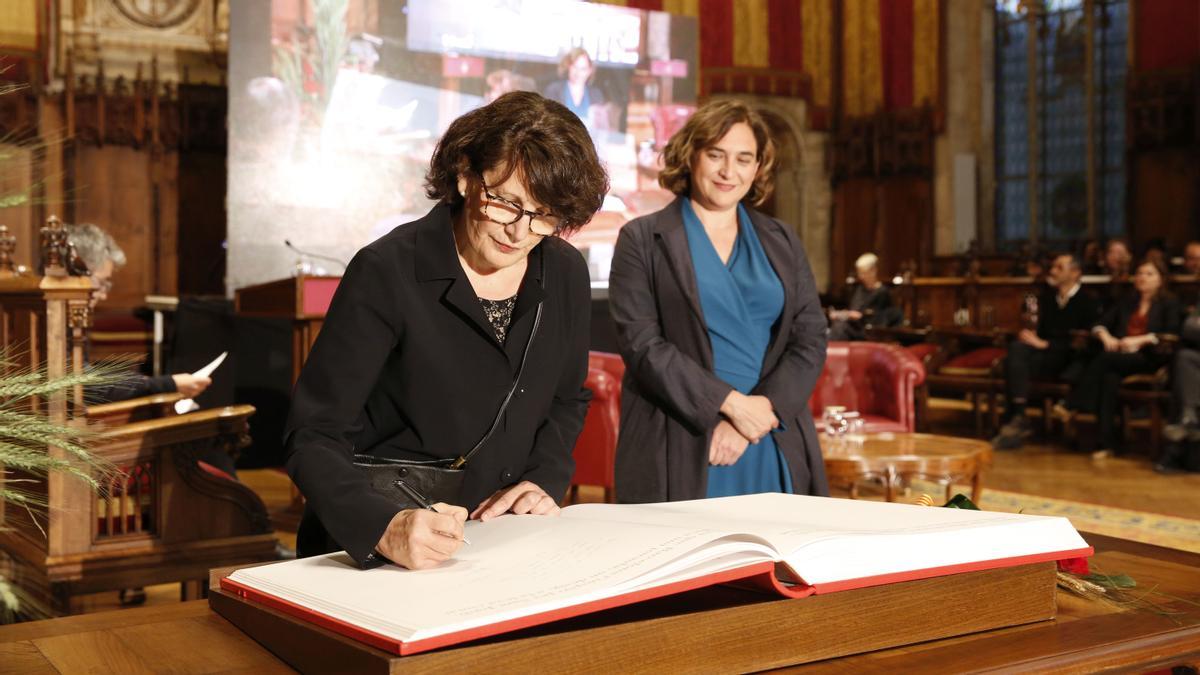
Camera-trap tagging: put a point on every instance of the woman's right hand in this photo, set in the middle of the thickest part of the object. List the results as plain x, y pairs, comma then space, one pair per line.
1111, 344
752, 416
727, 445
419, 539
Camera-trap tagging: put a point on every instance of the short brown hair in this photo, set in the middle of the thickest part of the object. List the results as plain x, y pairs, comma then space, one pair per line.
540, 139
706, 127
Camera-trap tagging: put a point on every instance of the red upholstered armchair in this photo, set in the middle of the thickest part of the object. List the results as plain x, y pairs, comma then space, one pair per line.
595, 451
874, 378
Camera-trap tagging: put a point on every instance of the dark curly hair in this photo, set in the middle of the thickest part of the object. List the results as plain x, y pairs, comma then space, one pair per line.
706, 127
540, 139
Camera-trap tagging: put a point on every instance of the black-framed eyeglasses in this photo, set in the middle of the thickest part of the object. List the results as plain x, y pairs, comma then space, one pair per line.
505, 212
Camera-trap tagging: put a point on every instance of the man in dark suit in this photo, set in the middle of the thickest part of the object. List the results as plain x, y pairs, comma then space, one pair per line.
1062, 308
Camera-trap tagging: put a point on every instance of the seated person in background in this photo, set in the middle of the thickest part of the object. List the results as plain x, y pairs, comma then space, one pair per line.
1156, 249
1183, 437
1128, 332
1030, 261
103, 256
1191, 258
1091, 257
870, 303
1063, 307
1116, 263
1117, 259
1036, 268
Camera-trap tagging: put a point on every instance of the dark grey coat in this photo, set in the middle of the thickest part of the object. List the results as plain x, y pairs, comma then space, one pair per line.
670, 399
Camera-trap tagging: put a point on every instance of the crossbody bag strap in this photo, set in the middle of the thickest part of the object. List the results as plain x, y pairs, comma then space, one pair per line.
537, 320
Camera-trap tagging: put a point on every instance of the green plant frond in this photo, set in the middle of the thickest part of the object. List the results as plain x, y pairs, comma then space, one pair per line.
44, 387
61, 467
22, 497
24, 377
34, 460
98, 374
11, 201
24, 416
35, 434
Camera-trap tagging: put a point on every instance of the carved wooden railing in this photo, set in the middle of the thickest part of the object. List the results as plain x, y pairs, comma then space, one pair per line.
168, 515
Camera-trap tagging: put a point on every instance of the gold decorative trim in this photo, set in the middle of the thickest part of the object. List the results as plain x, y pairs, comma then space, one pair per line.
175, 13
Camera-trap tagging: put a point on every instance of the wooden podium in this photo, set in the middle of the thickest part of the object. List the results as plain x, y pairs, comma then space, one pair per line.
303, 299
715, 629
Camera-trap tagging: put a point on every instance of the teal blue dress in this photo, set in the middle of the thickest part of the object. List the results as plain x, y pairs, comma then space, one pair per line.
741, 300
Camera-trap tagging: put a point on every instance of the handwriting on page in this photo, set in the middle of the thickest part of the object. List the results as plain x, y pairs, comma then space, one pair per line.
597, 577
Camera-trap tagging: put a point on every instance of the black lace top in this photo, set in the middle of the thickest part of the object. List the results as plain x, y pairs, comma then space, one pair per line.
499, 314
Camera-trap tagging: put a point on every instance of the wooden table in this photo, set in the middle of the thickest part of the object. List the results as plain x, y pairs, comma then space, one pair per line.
893, 459
1086, 636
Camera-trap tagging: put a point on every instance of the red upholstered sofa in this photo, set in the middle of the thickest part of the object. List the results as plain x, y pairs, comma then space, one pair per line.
595, 451
874, 378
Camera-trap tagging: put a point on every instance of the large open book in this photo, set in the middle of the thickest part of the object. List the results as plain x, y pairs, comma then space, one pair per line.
521, 571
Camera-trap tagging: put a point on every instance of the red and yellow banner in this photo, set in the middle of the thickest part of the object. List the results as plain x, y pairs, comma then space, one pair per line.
889, 48
19, 26
1166, 34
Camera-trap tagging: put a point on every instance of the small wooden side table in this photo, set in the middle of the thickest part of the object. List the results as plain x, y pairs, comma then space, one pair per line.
894, 459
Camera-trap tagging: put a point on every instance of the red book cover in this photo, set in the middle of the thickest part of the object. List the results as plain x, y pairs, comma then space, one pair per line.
759, 575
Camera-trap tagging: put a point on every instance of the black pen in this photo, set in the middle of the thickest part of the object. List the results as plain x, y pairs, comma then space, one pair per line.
420, 500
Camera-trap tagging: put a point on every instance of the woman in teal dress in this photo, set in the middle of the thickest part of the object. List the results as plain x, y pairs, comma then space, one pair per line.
720, 327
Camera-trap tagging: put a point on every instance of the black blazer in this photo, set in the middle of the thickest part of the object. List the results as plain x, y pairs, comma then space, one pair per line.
670, 398
408, 366
1164, 315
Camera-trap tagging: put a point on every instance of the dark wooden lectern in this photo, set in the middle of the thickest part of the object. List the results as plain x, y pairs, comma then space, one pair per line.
304, 300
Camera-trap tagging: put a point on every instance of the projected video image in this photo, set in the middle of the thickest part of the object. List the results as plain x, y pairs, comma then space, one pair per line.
336, 106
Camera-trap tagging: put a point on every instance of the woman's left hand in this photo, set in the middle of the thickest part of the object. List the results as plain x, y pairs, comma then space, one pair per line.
727, 445
1130, 345
524, 497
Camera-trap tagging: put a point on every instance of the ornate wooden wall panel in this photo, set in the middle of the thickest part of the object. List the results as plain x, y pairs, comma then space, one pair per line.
130, 193
882, 168
1164, 144
111, 154
1165, 197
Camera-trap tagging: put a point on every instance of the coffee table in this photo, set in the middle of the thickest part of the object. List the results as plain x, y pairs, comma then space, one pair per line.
894, 459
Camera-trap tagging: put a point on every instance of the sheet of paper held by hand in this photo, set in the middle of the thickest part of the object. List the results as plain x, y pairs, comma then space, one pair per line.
187, 405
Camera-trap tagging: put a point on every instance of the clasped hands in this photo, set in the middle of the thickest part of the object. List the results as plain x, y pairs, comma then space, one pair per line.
420, 539
746, 420
1128, 344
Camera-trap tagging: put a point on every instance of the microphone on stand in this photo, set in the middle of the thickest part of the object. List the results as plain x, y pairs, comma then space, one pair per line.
288, 243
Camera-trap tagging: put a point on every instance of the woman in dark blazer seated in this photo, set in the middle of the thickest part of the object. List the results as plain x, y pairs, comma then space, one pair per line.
1127, 332
427, 330
719, 325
